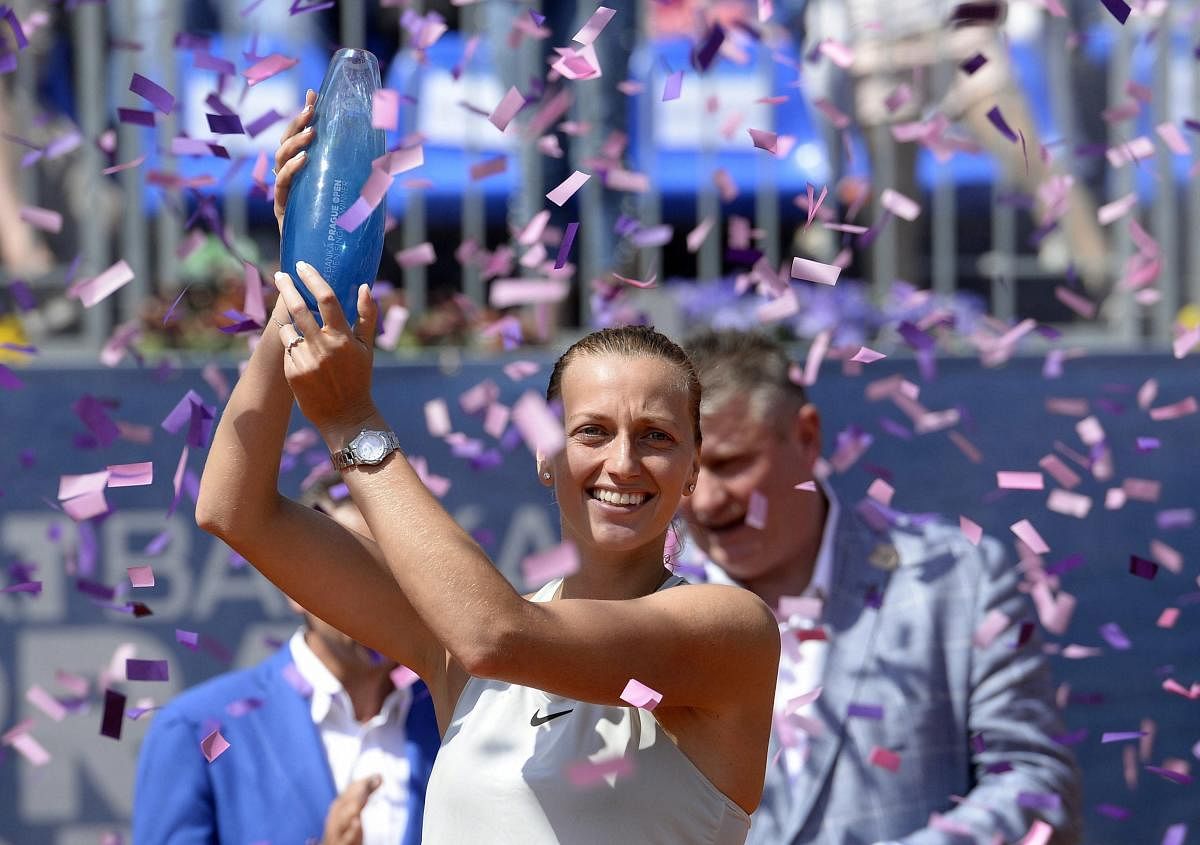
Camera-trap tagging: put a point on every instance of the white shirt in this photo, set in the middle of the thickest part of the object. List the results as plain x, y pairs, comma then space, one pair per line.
801, 659
357, 750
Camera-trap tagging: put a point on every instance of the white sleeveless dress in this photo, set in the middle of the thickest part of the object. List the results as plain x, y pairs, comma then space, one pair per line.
512, 771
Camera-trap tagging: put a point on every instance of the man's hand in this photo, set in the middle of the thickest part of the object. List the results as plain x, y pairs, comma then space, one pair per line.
343, 825
291, 155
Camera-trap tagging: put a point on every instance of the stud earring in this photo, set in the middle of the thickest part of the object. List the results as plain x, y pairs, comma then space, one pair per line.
691, 488
546, 475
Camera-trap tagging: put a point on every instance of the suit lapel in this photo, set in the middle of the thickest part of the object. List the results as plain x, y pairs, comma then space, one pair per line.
851, 623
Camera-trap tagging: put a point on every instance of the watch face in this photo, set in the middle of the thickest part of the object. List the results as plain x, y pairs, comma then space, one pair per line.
370, 447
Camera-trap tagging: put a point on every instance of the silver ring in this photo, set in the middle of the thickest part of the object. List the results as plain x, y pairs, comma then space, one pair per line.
293, 343
276, 322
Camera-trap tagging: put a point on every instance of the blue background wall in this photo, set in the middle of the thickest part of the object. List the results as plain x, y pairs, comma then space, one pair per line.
87, 787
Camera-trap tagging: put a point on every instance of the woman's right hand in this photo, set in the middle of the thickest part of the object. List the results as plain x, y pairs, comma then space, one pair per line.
291, 155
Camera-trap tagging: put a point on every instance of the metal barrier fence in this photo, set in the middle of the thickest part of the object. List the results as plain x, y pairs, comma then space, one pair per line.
148, 237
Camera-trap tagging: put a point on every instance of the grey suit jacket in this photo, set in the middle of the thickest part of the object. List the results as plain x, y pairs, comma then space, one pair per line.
905, 603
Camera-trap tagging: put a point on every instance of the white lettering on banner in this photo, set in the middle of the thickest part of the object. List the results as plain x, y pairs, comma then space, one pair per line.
54, 793
530, 530
124, 536
24, 536
220, 582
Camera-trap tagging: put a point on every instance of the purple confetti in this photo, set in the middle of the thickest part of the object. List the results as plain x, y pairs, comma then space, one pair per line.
292, 675
1175, 834
15, 25
22, 295
31, 587
1113, 811
225, 124
114, 714
260, 124
92, 413
1118, 8
188, 638
153, 93
146, 670
1062, 567
707, 51
997, 120
95, 589
673, 86
1175, 518
1120, 736
1039, 800
1170, 774
1115, 637
9, 379
537, 19
974, 63
206, 61
865, 711
1142, 568
138, 117
1147, 444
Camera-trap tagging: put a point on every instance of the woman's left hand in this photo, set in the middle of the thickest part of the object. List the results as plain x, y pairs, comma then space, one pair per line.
328, 367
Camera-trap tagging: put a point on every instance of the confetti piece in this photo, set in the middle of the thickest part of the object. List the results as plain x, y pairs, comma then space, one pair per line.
437, 418
1142, 568
756, 510
567, 188
1028, 535
970, 529
673, 86
98, 288
416, 256
814, 271
865, 711
1118, 8
974, 63
1173, 138
539, 427
836, 52
42, 218
1115, 637
114, 714
225, 124
809, 486
136, 117
640, 695
993, 624
189, 639
29, 748
1175, 834
900, 205
543, 567
881, 492
45, 702
1069, 504
867, 355
1182, 408
141, 576
595, 25
765, 140
146, 670
1168, 617
267, 67
403, 677
505, 293
507, 109
1115, 210
585, 773
385, 109
996, 117
1020, 480
213, 745
130, 475
884, 759
564, 249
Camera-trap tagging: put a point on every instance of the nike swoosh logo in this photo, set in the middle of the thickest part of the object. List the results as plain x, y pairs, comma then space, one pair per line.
536, 720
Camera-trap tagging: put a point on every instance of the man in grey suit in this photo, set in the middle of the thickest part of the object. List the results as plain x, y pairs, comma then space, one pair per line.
934, 720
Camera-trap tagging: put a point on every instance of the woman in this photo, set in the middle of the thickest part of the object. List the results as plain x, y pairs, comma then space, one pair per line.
538, 745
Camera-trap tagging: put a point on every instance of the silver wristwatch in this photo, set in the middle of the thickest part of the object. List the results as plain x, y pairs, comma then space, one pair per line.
368, 448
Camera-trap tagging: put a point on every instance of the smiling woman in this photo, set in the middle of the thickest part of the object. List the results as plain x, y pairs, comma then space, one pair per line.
544, 701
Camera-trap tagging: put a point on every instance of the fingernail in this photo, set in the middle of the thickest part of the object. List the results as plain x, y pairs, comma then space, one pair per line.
302, 154
280, 278
303, 265
308, 130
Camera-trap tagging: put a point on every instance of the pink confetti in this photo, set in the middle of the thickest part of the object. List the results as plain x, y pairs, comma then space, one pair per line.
992, 626
402, 160
355, 215
540, 428
505, 293
1115, 210
637, 283
518, 370
832, 113
141, 576
696, 237
1039, 833
403, 677
881, 492
972, 530
29, 748
837, 52
1182, 408
585, 773
1059, 471
437, 418
809, 486
385, 109
779, 308
866, 355
595, 25
416, 256
1028, 535
765, 140
884, 759
673, 87
129, 165
45, 702
131, 475
213, 745
507, 109
567, 188
816, 353
808, 270
1069, 504
393, 326
1020, 481
96, 289
42, 218
71, 486
640, 695
900, 205
268, 67
1168, 617
1173, 138
559, 561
